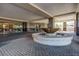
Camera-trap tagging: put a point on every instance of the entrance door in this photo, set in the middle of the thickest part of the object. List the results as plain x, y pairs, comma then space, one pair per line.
67, 26
1, 28
59, 25
70, 26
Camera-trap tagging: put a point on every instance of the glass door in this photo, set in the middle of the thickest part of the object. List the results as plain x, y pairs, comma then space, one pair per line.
66, 26
1, 28
59, 25
70, 26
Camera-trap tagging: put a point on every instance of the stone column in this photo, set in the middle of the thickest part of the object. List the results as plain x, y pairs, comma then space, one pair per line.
50, 23
64, 26
24, 24
77, 24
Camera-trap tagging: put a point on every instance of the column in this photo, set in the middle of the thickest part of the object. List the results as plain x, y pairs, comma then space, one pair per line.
64, 26
24, 26
50, 23
77, 24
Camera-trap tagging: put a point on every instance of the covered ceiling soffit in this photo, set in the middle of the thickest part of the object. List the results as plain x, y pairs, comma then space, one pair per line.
36, 11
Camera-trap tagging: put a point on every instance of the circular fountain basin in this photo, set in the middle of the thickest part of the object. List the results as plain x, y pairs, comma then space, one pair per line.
53, 39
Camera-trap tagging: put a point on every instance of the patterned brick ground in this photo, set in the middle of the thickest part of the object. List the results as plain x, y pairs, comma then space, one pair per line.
23, 45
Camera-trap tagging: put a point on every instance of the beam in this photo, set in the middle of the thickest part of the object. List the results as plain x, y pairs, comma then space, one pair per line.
65, 14
11, 19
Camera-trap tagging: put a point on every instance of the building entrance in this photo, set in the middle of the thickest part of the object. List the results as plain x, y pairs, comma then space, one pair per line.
68, 26
6, 28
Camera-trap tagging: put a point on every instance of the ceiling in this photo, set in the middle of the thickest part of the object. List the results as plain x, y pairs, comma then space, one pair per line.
57, 8
35, 11
14, 12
